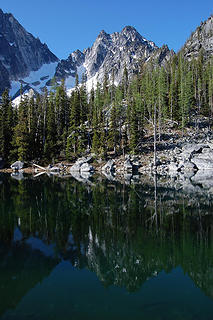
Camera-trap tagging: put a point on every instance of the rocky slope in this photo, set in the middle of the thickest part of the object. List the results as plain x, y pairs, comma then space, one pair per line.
20, 52
200, 40
110, 54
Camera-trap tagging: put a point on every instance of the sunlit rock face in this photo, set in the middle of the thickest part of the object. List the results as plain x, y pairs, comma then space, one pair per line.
200, 41
109, 55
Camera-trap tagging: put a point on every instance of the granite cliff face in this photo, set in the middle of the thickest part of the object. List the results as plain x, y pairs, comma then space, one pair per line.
200, 40
24, 59
20, 52
110, 54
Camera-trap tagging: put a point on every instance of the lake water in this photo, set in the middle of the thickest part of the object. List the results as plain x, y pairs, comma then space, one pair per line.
104, 250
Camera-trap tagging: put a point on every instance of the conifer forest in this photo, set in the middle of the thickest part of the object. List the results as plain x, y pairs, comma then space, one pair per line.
108, 119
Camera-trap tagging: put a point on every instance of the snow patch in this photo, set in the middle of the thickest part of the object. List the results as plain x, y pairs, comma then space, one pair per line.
17, 100
47, 71
92, 83
70, 81
81, 70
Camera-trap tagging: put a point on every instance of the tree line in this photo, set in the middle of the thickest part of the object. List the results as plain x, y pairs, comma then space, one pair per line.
109, 118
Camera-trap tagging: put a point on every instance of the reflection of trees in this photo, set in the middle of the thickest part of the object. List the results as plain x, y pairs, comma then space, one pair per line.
125, 234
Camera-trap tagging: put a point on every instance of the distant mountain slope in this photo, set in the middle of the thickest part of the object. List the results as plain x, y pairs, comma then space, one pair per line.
200, 39
20, 52
110, 54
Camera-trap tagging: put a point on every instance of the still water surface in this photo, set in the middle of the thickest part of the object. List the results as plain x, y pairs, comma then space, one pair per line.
104, 250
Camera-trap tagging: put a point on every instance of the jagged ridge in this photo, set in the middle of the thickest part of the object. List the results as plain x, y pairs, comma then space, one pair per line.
20, 52
110, 54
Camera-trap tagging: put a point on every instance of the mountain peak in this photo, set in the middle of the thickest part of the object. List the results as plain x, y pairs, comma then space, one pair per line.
109, 53
20, 52
103, 32
128, 29
103, 35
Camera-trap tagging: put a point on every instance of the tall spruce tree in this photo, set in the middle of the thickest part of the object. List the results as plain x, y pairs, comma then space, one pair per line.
6, 125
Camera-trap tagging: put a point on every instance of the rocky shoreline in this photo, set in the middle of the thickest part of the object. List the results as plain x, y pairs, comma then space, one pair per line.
188, 158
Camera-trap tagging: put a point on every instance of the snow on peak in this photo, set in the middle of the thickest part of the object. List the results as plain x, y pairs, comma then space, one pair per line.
36, 79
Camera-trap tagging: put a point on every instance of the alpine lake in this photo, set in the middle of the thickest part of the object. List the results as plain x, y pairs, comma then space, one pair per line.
104, 250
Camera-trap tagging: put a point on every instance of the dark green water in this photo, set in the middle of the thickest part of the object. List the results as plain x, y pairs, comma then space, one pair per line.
104, 251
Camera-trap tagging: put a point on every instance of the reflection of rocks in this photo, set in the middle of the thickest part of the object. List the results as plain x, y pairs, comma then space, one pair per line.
128, 166
126, 234
109, 175
203, 178
204, 160
17, 175
82, 176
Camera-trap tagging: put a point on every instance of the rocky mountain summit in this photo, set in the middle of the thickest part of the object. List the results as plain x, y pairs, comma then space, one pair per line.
110, 54
200, 39
24, 59
20, 51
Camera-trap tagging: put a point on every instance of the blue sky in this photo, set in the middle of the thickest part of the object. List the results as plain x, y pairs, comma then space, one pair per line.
67, 25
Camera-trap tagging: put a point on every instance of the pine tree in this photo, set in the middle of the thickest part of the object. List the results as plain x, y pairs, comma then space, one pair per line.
6, 126
50, 147
113, 128
162, 97
21, 146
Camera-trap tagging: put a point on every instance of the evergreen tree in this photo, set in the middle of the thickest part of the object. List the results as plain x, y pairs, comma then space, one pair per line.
6, 125
20, 142
50, 147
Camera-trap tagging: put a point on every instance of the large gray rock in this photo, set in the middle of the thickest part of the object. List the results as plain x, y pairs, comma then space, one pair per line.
18, 165
109, 166
82, 165
75, 168
173, 167
190, 149
203, 164
189, 166
204, 160
203, 178
86, 167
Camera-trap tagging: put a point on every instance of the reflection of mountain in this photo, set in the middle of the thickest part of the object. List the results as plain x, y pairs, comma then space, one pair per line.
130, 261
21, 268
122, 233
